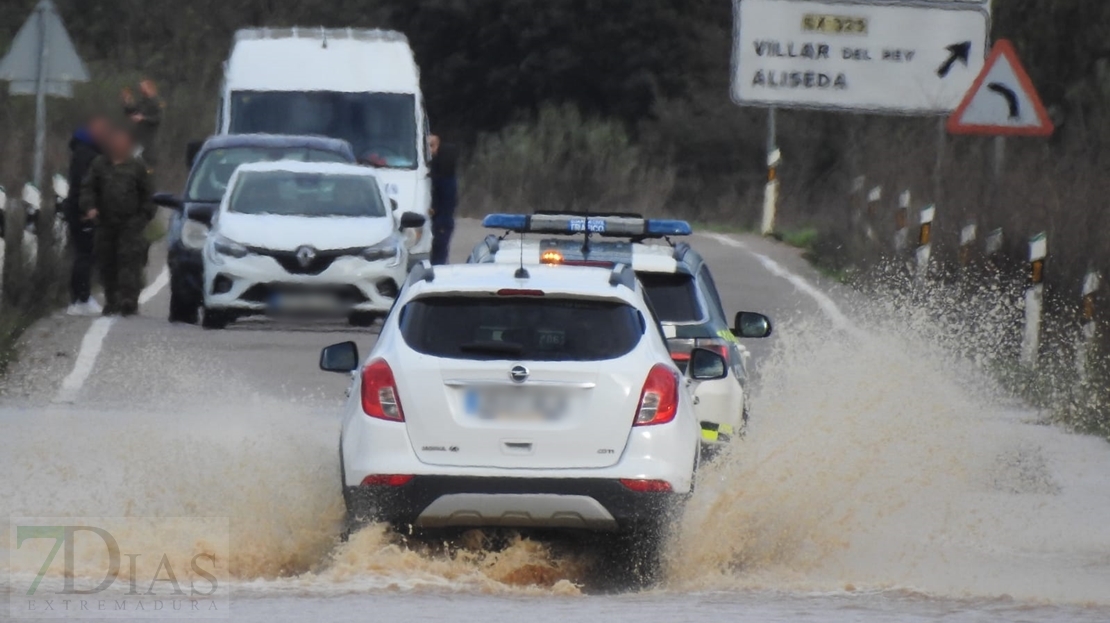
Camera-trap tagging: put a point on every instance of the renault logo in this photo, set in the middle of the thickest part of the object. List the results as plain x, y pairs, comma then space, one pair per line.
305, 255
518, 374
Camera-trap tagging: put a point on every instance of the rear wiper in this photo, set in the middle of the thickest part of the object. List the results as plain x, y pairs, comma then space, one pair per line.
496, 348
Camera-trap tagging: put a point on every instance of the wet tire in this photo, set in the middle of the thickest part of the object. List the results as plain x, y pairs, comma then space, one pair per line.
215, 319
184, 307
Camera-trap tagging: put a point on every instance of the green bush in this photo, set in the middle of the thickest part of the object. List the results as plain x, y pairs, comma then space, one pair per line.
563, 161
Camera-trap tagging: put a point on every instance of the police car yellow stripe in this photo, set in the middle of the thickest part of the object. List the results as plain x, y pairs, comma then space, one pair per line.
715, 433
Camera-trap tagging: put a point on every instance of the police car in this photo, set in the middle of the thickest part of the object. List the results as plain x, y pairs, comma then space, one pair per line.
541, 397
676, 278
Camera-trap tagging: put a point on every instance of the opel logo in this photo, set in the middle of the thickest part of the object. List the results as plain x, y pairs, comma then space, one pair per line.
518, 374
305, 255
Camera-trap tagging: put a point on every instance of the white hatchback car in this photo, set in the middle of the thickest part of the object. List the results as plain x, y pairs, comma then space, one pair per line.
304, 238
540, 398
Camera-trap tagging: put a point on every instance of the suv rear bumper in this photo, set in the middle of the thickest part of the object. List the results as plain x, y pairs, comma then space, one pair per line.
442, 502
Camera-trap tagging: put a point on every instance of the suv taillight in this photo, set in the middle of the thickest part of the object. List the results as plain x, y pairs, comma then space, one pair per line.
380, 398
659, 399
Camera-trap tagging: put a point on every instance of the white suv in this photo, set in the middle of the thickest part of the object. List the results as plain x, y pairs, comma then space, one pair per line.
542, 398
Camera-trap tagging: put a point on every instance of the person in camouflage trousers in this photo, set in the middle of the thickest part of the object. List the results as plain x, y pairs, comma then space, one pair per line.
116, 194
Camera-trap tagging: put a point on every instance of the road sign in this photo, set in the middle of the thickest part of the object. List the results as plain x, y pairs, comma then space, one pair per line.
911, 58
41, 62
62, 65
1002, 101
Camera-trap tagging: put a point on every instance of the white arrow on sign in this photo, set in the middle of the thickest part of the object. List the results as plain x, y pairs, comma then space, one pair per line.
1002, 101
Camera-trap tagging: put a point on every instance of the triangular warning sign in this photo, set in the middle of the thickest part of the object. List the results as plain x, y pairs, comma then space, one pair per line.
1002, 101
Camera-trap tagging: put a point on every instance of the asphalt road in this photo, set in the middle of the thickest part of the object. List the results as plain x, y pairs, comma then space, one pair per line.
146, 360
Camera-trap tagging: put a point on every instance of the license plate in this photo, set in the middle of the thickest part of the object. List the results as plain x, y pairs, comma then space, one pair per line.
515, 404
302, 301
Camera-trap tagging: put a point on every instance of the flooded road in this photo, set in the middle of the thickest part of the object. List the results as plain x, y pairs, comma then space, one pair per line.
880, 481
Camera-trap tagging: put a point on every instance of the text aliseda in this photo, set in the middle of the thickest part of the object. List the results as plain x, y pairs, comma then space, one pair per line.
818, 51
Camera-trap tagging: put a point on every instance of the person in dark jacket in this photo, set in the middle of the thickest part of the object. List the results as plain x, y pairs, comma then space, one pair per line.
445, 198
146, 115
116, 193
84, 147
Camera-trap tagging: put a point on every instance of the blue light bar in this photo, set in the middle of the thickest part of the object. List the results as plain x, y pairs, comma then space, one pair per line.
511, 222
667, 227
612, 226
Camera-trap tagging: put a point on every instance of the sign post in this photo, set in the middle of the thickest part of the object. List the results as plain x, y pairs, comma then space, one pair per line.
42, 61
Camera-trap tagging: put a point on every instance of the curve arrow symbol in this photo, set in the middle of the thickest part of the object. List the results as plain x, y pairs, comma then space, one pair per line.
957, 52
1011, 98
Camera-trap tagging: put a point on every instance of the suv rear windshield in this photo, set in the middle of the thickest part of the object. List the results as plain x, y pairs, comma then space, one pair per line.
674, 296
519, 328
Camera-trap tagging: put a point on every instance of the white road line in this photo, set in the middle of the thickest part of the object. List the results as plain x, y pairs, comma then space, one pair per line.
93, 342
827, 305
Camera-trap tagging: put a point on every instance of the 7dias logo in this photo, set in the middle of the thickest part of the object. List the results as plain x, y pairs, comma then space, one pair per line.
129, 567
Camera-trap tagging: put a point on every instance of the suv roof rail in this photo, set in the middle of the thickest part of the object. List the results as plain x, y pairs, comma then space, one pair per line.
623, 275
422, 272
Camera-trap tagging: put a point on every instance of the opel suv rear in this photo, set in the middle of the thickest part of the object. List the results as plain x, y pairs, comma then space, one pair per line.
542, 398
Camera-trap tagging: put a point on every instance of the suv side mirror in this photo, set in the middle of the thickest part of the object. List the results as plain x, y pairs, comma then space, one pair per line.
191, 151
168, 200
412, 220
752, 325
341, 358
706, 365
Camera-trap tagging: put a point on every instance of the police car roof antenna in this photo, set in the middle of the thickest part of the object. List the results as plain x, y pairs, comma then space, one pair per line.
521, 273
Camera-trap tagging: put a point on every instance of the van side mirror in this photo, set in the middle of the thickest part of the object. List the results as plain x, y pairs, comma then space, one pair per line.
752, 325
341, 358
706, 365
412, 220
393, 205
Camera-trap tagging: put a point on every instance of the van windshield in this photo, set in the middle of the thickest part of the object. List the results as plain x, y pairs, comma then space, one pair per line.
381, 127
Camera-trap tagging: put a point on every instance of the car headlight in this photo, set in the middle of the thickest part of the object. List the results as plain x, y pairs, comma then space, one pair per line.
388, 249
228, 247
194, 234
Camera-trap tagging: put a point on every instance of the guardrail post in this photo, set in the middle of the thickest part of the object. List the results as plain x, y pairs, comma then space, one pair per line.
994, 246
32, 197
771, 192
924, 240
967, 241
1088, 328
874, 197
3, 235
901, 222
1034, 300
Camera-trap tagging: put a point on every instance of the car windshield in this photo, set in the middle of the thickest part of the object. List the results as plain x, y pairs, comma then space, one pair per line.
381, 127
674, 296
212, 173
287, 193
521, 328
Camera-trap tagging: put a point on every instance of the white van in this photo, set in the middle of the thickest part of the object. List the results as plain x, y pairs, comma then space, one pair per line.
362, 86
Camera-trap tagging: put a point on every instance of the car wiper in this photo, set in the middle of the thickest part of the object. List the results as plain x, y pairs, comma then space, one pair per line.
491, 347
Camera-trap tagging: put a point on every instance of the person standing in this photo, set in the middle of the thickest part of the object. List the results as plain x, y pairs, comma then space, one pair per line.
445, 198
116, 194
147, 117
84, 148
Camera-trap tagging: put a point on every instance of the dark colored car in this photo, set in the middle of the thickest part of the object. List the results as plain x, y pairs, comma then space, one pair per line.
211, 166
